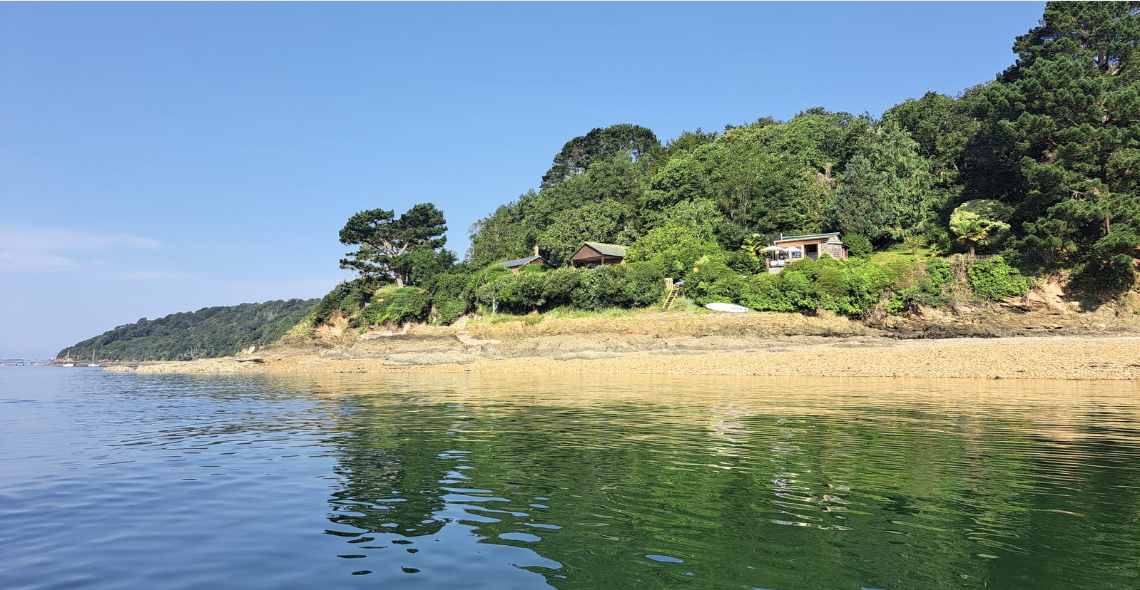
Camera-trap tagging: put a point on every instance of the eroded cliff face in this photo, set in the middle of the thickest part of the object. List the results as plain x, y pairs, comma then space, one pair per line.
1044, 310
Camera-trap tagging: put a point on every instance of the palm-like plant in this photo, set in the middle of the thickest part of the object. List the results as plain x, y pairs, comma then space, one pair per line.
754, 245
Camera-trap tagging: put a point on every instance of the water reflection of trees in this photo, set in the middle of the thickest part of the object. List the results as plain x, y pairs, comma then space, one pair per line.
390, 468
876, 497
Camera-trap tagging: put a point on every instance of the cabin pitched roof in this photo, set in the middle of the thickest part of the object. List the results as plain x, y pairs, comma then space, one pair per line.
784, 238
607, 249
521, 261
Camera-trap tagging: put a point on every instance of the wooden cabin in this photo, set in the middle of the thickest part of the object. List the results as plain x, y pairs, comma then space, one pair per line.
789, 249
593, 254
517, 264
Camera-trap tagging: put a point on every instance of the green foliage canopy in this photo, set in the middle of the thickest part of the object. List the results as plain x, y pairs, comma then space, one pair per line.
1043, 160
885, 193
975, 222
1068, 115
995, 280
392, 248
580, 153
207, 333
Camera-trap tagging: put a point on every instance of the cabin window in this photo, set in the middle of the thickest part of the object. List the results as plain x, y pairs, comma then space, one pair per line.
812, 251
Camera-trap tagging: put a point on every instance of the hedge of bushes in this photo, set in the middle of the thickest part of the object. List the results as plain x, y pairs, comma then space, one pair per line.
366, 301
346, 299
398, 306
536, 288
995, 280
636, 284
844, 287
847, 288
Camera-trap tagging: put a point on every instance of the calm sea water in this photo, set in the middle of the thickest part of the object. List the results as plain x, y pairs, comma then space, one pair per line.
114, 480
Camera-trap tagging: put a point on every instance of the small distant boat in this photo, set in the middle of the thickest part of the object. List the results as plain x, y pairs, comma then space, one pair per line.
67, 357
729, 307
93, 363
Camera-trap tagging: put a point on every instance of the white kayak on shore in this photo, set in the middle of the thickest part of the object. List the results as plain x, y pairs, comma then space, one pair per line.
729, 307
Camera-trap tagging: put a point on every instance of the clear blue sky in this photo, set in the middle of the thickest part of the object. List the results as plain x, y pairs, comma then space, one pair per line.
160, 157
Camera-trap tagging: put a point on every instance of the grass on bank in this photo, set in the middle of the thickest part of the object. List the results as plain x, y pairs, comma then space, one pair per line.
681, 304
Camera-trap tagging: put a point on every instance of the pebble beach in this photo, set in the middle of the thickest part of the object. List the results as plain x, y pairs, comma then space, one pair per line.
1046, 357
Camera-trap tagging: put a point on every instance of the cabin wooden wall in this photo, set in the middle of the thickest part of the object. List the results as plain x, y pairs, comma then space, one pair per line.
838, 251
584, 253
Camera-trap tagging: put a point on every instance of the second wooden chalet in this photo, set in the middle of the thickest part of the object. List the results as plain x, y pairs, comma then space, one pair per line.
593, 254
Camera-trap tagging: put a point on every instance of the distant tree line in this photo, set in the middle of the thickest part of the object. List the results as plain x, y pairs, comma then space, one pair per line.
206, 333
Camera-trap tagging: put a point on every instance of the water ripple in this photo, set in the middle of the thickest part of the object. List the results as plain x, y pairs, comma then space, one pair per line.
115, 480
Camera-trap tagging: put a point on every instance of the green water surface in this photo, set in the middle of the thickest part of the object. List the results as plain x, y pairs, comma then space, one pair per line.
729, 483
468, 481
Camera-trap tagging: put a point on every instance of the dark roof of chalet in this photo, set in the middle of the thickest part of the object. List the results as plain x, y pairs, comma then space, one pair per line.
520, 261
784, 238
606, 249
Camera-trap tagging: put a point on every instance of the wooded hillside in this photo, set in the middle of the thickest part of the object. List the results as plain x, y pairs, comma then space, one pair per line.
1040, 165
1053, 142
208, 332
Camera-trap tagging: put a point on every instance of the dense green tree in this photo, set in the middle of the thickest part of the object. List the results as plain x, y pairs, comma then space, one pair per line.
885, 194
606, 221
978, 221
505, 234
856, 208
615, 177
385, 242
858, 245
752, 188
688, 141
612, 184
674, 247
1068, 113
580, 153
943, 127
423, 264
821, 140
701, 218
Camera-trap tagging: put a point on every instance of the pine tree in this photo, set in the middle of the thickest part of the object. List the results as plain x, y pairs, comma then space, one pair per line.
1069, 112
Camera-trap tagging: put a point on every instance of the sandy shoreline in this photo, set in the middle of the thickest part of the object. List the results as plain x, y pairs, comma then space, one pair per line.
1047, 357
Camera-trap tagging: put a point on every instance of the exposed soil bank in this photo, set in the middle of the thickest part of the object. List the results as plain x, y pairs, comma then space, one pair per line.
1101, 345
